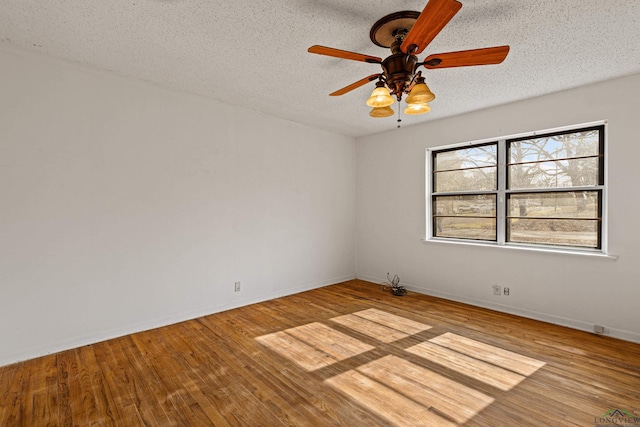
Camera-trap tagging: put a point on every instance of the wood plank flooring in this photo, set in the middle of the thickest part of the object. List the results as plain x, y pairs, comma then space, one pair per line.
343, 355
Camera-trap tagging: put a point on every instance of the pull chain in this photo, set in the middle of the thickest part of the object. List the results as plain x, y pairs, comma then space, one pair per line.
399, 120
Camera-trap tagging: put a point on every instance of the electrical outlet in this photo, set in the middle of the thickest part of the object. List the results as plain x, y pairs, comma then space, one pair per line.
236, 287
506, 291
599, 329
497, 289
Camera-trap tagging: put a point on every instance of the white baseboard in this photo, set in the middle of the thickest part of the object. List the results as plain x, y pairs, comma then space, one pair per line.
518, 311
100, 336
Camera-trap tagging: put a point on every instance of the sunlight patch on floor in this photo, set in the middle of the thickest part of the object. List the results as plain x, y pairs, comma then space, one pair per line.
407, 394
385, 327
403, 392
506, 359
314, 345
488, 373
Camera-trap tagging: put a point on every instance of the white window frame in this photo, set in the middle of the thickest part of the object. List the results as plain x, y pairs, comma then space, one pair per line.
502, 193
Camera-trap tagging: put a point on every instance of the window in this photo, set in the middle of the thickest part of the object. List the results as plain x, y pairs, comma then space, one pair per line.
535, 190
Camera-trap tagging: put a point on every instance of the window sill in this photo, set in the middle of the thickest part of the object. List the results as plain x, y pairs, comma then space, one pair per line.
591, 254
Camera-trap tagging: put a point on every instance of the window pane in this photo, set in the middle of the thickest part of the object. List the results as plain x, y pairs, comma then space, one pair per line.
476, 205
554, 174
555, 161
465, 217
575, 144
465, 180
465, 228
561, 232
564, 219
573, 204
464, 158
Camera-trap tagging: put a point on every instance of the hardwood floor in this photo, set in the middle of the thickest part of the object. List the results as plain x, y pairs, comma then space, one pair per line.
344, 355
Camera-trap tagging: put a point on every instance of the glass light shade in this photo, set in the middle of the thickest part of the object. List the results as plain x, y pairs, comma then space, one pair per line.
380, 97
420, 94
381, 112
413, 109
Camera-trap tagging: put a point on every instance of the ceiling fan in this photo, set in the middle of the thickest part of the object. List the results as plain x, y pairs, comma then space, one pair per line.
407, 34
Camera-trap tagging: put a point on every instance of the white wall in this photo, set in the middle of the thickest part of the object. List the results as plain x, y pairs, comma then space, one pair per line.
571, 290
124, 206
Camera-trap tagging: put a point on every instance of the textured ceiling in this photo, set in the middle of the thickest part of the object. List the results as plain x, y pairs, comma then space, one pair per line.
254, 53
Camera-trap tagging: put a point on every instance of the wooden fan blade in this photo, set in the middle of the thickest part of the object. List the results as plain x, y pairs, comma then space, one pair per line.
329, 51
355, 85
465, 58
434, 17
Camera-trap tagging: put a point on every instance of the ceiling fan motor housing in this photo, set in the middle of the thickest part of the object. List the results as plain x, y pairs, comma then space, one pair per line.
398, 70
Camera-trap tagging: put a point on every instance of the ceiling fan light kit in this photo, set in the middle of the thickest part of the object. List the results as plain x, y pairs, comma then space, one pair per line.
413, 109
380, 97
407, 34
420, 94
379, 112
